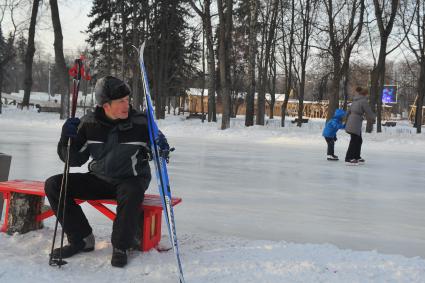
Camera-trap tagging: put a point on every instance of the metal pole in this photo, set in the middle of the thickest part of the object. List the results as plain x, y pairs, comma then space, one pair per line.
48, 90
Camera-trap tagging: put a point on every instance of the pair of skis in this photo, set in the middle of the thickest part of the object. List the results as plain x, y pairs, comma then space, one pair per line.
160, 167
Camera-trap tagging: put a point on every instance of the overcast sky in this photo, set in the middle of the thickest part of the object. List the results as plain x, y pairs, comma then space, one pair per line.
74, 21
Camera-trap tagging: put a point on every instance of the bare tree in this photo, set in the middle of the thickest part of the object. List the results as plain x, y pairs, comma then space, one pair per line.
288, 38
385, 21
413, 13
272, 79
205, 15
30, 55
224, 48
305, 15
252, 53
60, 59
343, 28
264, 65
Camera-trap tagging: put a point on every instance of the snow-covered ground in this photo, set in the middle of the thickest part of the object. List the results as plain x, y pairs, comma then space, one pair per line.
260, 204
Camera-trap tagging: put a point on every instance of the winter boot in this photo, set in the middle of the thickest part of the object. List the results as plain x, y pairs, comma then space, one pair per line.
332, 157
85, 245
119, 257
361, 161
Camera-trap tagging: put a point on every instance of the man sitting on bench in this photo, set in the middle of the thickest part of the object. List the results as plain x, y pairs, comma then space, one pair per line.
116, 137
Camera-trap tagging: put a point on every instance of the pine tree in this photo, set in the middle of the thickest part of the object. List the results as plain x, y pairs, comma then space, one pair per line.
172, 50
170, 54
103, 34
7, 53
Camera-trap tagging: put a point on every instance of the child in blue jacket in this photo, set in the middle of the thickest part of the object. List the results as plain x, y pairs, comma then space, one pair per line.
329, 132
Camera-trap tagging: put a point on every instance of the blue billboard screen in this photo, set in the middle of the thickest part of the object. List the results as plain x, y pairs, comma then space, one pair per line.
389, 94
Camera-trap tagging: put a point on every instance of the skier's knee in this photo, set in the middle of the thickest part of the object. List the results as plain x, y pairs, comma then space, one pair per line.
52, 185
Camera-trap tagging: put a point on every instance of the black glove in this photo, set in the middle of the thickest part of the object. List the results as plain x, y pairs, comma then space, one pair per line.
164, 147
70, 127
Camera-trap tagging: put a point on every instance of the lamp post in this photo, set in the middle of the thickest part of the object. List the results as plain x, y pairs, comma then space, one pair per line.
48, 86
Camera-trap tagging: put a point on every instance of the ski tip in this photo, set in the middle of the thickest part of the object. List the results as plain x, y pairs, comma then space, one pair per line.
142, 48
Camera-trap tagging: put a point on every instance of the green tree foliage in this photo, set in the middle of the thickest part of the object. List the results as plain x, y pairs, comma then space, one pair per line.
172, 49
7, 55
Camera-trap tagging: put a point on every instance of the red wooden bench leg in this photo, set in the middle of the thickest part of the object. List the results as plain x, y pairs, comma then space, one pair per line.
50, 212
151, 229
103, 209
6, 197
44, 215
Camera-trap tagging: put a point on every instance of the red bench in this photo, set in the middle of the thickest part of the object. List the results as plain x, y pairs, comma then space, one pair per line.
152, 209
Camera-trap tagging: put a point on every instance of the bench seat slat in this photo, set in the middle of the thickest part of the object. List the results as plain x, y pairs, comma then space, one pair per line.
37, 188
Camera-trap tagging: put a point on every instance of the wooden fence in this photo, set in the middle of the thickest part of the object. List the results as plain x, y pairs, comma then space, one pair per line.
412, 114
310, 109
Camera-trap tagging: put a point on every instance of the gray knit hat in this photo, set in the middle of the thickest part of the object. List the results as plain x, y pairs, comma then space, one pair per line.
109, 88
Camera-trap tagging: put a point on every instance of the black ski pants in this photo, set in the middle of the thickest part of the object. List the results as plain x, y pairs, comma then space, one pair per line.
129, 194
331, 145
354, 148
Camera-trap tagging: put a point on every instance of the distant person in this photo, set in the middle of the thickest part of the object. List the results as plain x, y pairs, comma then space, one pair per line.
116, 137
330, 130
358, 108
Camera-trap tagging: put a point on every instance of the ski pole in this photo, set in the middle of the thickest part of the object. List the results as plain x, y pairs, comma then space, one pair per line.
76, 71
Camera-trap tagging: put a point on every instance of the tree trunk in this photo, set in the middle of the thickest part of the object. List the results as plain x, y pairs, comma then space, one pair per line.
288, 61
283, 110
385, 25
212, 113
252, 53
23, 212
420, 100
123, 41
273, 83
301, 99
135, 69
345, 91
225, 44
163, 59
30, 55
60, 59
376, 85
263, 82
206, 21
374, 76
334, 93
203, 75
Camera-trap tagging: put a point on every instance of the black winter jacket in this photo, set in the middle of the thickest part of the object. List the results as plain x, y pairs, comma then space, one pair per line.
119, 149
